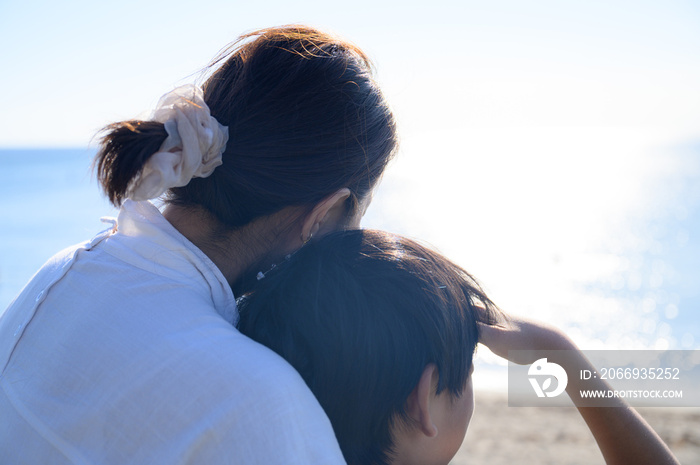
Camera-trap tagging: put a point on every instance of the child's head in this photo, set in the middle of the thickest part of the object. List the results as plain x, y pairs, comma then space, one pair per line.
383, 331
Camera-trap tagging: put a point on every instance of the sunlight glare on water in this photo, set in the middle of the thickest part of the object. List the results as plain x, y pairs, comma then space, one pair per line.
578, 226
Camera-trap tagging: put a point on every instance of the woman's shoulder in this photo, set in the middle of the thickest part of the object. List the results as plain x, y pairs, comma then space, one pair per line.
252, 365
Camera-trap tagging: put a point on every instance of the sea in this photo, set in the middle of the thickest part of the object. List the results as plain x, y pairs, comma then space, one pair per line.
636, 288
49, 201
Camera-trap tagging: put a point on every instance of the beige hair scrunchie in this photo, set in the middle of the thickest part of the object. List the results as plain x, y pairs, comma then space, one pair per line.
192, 149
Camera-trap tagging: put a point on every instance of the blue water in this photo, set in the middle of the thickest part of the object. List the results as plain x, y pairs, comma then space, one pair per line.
50, 200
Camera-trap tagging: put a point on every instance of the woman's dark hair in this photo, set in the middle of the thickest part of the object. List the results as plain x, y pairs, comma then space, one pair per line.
360, 314
305, 118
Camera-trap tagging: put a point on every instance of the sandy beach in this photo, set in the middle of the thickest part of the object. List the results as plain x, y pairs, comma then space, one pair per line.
500, 435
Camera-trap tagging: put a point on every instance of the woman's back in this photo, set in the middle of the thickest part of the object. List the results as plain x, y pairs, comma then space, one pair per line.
126, 354
123, 350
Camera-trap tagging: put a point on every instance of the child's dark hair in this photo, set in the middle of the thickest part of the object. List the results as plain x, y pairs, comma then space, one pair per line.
305, 118
360, 314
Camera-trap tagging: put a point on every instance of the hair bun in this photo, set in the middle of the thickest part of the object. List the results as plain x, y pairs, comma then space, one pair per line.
192, 149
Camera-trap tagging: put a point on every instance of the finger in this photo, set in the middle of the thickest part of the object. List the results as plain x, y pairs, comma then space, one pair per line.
485, 333
494, 337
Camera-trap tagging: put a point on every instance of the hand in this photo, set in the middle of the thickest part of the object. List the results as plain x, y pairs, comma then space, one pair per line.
519, 335
622, 435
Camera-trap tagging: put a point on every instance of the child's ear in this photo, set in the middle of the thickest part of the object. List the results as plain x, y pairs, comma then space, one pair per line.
418, 402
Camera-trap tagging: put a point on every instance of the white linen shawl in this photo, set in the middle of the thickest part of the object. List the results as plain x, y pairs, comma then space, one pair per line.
123, 350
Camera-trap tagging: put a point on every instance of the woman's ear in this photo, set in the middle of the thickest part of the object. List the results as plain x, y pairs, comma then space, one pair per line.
418, 402
326, 215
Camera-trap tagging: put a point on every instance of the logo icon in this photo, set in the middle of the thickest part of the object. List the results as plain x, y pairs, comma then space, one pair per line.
547, 370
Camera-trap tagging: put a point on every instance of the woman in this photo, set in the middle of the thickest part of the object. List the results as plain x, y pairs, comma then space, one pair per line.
122, 349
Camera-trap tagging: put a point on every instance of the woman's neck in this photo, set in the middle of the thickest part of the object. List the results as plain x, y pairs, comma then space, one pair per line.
234, 252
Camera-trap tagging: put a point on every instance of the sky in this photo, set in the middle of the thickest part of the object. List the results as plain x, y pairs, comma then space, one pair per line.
71, 67
549, 147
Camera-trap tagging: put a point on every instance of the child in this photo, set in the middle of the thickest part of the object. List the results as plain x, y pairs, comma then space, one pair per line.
383, 331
